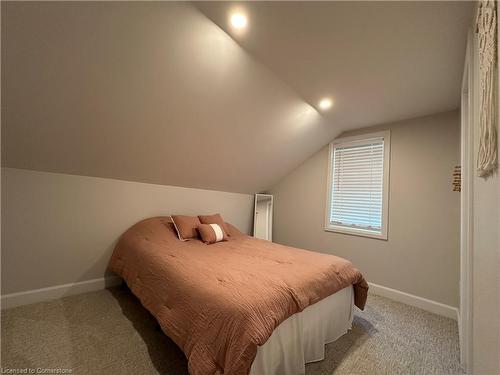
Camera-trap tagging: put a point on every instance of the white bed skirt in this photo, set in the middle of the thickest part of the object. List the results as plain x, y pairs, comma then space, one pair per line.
301, 338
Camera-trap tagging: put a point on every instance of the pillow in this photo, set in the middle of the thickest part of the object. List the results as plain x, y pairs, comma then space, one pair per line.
212, 233
214, 219
185, 226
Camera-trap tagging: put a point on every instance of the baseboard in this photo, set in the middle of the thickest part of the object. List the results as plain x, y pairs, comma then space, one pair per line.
58, 291
412, 300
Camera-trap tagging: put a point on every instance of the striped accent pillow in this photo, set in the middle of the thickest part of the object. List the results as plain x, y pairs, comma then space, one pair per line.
214, 219
212, 233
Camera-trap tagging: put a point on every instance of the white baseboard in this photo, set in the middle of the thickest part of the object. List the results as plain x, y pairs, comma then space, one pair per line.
412, 300
58, 291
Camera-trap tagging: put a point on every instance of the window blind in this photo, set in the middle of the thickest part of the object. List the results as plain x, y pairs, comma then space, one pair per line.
357, 185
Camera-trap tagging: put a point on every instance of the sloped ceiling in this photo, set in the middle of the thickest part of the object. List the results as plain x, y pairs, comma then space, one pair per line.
157, 92
379, 61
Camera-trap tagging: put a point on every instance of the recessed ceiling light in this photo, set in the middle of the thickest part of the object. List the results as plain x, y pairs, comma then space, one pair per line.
239, 20
325, 103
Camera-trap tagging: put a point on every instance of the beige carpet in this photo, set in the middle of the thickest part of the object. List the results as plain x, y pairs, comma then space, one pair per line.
109, 332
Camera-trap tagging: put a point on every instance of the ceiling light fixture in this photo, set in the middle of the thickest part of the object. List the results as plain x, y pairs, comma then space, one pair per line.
325, 103
239, 20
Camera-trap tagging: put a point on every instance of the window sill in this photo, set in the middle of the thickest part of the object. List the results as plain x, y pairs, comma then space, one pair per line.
356, 232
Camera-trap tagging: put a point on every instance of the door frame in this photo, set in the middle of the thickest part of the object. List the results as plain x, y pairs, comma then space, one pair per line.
466, 209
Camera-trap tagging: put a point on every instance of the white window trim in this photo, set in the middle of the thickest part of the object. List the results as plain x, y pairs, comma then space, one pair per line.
386, 135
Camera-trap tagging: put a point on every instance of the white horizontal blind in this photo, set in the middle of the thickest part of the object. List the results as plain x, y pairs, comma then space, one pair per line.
357, 185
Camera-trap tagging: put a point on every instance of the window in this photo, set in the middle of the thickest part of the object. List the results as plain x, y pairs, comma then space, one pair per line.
358, 185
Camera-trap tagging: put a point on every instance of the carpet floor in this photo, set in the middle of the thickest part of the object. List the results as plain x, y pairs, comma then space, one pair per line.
109, 332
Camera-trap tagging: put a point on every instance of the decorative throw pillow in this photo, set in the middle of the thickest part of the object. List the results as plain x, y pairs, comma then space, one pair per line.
186, 226
214, 219
212, 233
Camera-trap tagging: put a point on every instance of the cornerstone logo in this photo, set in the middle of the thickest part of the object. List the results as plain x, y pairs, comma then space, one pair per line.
35, 370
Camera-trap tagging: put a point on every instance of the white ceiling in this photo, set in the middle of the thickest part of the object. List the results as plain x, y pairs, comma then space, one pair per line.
379, 61
156, 92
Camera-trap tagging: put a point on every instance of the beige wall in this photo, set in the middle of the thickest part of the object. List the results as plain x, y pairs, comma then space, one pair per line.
486, 274
421, 256
59, 228
485, 259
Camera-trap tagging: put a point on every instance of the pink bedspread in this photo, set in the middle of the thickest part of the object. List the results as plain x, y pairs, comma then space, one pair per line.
220, 302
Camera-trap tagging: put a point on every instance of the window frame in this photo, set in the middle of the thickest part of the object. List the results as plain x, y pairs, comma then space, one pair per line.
352, 140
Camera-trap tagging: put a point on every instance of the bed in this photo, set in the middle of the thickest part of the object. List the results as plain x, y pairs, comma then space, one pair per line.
242, 306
